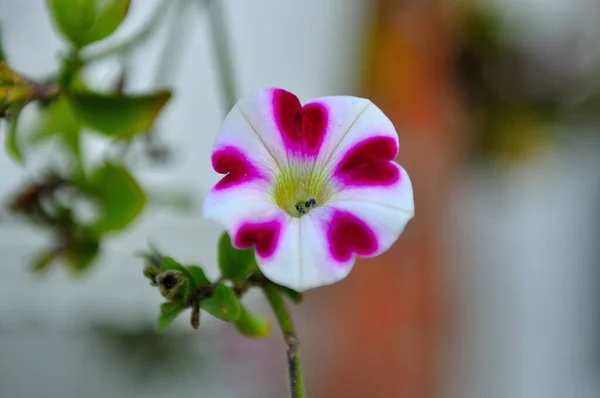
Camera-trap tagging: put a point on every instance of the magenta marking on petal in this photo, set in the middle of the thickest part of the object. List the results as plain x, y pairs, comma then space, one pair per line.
302, 128
347, 234
264, 236
238, 169
368, 163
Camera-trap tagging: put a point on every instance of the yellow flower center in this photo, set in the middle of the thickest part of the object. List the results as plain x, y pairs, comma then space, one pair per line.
300, 188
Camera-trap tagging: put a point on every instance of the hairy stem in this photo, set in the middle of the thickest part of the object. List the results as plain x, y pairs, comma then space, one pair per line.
295, 373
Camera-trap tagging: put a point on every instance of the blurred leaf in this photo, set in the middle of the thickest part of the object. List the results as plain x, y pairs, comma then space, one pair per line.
293, 295
168, 313
81, 253
118, 115
85, 21
252, 325
108, 18
120, 197
198, 275
14, 89
235, 264
13, 147
58, 119
223, 304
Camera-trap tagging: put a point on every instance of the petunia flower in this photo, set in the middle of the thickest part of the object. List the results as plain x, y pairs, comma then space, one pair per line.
310, 187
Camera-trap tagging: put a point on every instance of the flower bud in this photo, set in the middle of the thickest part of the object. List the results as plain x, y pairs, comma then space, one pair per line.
174, 286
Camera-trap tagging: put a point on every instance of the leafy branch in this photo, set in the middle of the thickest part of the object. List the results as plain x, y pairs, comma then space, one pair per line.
68, 110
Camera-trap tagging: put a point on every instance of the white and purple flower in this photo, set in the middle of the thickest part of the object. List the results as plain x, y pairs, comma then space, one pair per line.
309, 186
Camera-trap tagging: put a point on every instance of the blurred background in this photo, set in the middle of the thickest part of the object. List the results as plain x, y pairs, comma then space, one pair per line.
492, 291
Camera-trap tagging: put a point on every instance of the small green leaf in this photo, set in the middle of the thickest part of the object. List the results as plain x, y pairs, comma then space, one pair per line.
58, 119
223, 304
81, 253
118, 115
14, 89
169, 263
120, 197
73, 18
86, 21
168, 313
108, 19
235, 264
198, 275
252, 325
13, 147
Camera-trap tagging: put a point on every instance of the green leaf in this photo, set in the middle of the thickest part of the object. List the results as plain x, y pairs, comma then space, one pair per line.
86, 21
108, 18
118, 115
169, 263
58, 119
13, 147
168, 313
82, 252
73, 18
223, 304
120, 197
14, 89
198, 275
252, 325
235, 264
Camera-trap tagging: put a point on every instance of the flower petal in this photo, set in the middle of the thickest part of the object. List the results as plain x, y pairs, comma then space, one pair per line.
238, 204
384, 209
240, 151
360, 142
302, 260
321, 247
260, 110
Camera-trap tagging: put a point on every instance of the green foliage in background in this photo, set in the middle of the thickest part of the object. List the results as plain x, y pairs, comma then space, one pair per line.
68, 110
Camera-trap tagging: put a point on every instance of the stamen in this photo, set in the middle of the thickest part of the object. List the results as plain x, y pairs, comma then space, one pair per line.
301, 181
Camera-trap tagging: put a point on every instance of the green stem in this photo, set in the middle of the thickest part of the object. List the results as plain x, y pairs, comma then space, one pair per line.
295, 373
